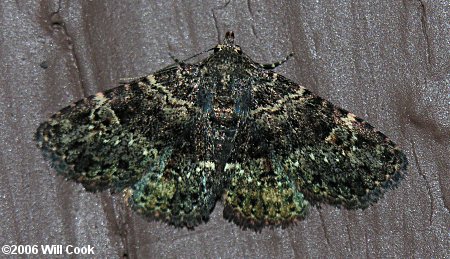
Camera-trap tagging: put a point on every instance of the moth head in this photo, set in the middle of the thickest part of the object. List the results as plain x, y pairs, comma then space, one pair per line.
228, 44
229, 38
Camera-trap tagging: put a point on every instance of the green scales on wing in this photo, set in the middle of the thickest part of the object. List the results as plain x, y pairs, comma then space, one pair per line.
225, 128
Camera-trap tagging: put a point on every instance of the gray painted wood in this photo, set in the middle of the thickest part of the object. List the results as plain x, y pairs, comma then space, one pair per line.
386, 61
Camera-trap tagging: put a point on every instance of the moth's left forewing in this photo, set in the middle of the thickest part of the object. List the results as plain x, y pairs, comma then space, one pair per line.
98, 141
137, 137
108, 140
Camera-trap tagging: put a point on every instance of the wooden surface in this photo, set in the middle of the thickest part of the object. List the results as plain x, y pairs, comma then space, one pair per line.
386, 61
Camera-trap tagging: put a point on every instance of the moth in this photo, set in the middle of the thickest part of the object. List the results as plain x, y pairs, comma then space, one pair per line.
225, 128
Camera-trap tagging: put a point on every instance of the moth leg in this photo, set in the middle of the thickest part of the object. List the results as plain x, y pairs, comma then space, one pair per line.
180, 62
278, 63
127, 80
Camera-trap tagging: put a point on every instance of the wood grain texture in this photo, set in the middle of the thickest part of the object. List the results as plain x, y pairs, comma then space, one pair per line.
386, 61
